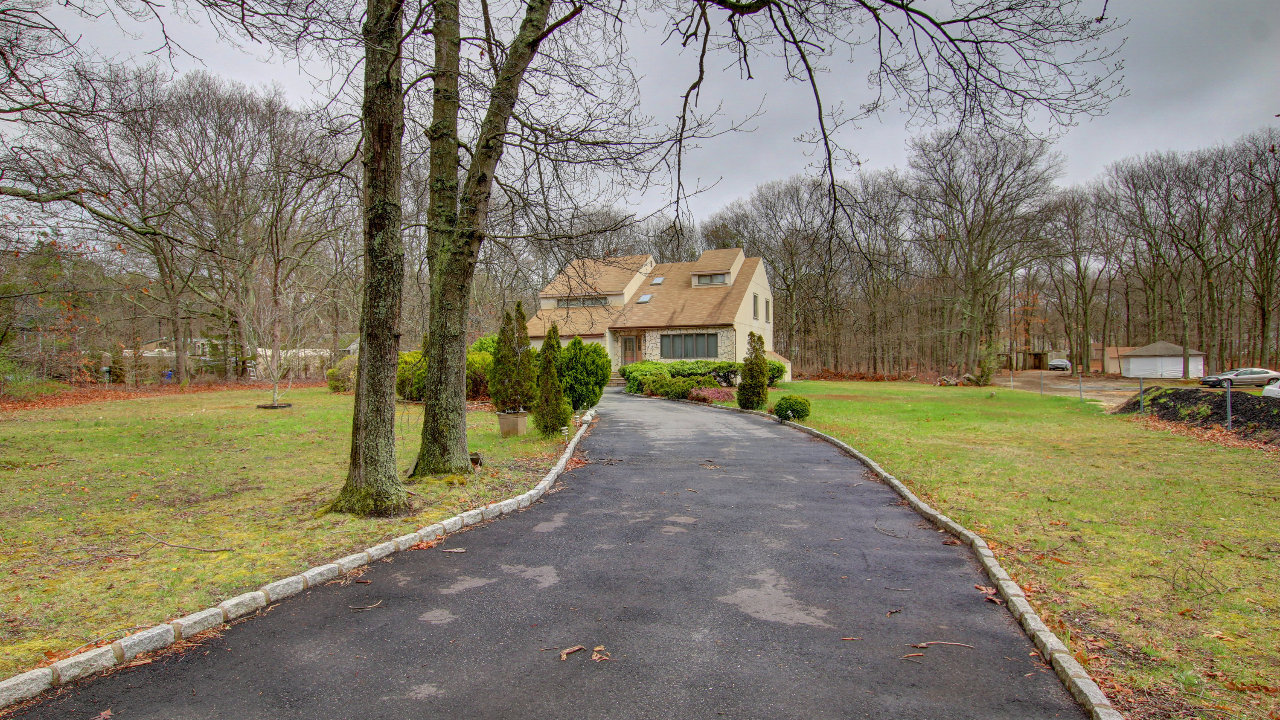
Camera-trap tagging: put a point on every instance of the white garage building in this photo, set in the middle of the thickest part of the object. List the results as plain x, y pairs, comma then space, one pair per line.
1160, 360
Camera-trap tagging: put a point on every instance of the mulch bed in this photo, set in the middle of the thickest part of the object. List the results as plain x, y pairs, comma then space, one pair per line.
1254, 418
82, 394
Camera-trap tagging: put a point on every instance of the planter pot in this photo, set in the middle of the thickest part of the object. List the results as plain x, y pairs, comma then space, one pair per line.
513, 423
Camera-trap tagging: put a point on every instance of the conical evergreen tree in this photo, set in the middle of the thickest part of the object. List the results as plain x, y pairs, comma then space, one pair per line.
526, 366
551, 410
502, 375
753, 391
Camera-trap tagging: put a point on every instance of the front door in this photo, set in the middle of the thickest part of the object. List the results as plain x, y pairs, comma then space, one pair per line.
628, 349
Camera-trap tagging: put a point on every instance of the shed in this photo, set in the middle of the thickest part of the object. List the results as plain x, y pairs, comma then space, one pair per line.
1160, 360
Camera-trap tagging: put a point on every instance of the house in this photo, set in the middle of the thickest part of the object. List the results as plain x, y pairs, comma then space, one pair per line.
1160, 360
642, 310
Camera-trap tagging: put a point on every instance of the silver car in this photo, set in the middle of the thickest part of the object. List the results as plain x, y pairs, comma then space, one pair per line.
1242, 376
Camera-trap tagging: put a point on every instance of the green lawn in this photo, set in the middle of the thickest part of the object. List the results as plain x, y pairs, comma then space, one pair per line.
1155, 556
79, 487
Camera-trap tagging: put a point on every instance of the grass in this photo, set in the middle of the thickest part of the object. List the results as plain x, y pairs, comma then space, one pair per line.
1155, 556
79, 487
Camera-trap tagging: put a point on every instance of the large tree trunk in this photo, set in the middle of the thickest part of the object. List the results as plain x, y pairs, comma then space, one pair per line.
373, 487
454, 248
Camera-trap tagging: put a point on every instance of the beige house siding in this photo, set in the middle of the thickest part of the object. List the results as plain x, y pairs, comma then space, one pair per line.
745, 321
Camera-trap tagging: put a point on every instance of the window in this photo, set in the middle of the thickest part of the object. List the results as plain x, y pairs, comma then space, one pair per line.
767, 317
755, 306
658, 280
582, 302
644, 299
716, 279
690, 345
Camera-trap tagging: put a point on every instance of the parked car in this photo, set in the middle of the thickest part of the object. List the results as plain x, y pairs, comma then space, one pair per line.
1060, 365
1242, 376
1272, 391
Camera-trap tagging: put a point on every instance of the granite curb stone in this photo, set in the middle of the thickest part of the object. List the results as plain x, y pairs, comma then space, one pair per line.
321, 574
242, 605
197, 622
86, 663
282, 589
130, 646
27, 685
381, 550
1072, 674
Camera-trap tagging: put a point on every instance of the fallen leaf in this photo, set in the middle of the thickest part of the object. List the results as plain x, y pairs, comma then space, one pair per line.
104, 715
564, 654
891, 612
951, 541
851, 638
1271, 689
599, 654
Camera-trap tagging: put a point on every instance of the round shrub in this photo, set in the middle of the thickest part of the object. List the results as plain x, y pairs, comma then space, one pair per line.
584, 370
411, 375
791, 407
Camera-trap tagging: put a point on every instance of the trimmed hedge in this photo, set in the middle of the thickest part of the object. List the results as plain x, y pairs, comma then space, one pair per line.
776, 371
676, 388
635, 373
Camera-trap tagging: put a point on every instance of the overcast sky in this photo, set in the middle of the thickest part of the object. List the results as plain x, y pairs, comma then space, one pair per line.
1197, 73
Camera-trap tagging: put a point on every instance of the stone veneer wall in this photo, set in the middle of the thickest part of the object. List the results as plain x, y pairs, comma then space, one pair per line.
651, 342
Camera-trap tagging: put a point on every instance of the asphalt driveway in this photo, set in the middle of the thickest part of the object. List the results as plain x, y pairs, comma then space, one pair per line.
729, 567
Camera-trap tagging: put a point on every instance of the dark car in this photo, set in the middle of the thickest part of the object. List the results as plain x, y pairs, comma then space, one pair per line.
1241, 376
1060, 365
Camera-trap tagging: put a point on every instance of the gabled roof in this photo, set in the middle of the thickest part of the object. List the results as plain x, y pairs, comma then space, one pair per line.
584, 276
584, 321
715, 261
678, 303
1159, 349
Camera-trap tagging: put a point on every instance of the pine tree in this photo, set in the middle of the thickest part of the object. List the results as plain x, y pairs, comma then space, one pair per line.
525, 368
502, 375
550, 410
753, 391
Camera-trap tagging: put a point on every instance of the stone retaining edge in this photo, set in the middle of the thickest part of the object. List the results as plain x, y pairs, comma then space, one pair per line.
27, 685
1072, 674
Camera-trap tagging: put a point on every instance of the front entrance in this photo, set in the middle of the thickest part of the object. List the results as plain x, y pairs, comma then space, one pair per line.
629, 352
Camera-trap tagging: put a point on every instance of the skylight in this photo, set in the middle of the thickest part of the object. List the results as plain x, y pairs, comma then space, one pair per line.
658, 280
643, 299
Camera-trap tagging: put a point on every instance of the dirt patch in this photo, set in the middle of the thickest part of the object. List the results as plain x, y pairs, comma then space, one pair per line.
1253, 417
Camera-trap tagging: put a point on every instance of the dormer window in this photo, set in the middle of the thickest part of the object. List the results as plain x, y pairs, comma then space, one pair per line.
597, 301
658, 280
644, 299
714, 279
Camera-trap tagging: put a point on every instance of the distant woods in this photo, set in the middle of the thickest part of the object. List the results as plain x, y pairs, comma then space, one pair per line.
225, 223
973, 249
